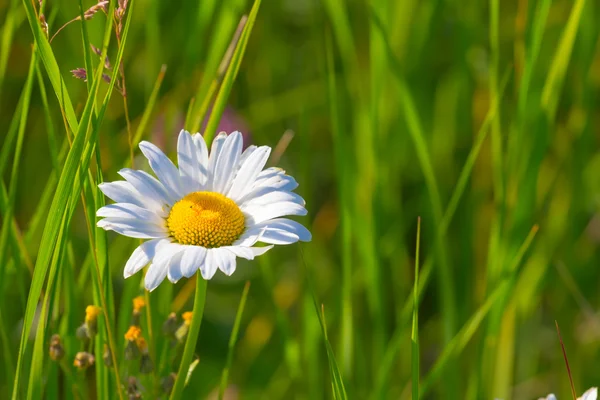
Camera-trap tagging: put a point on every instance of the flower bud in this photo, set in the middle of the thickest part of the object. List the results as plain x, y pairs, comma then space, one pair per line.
170, 326
83, 360
56, 351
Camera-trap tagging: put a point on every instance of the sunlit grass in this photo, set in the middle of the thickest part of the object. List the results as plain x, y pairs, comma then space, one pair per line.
452, 142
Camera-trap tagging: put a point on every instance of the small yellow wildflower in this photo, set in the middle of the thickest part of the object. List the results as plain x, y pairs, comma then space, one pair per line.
138, 303
187, 317
133, 333
92, 312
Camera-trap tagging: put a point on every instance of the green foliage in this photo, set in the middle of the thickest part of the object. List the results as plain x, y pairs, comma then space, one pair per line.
468, 129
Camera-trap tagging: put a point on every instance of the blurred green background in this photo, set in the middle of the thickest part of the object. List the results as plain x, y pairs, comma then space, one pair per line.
482, 118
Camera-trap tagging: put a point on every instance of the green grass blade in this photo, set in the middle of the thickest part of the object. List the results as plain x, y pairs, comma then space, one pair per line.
396, 343
337, 382
148, 110
12, 191
65, 188
531, 57
562, 57
192, 337
458, 343
233, 340
36, 375
347, 340
224, 26
230, 75
415, 322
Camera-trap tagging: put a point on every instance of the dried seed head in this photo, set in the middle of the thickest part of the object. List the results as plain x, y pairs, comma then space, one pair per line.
170, 326
142, 345
82, 332
107, 356
44, 25
83, 360
133, 388
56, 351
106, 78
96, 50
132, 351
99, 53
168, 382
80, 73
101, 6
182, 332
146, 364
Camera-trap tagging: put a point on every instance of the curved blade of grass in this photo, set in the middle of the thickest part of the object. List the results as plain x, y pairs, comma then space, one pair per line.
395, 344
220, 39
225, 62
230, 75
233, 340
192, 337
139, 132
76, 157
12, 190
341, 152
537, 27
11, 23
415, 130
337, 382
36, 378
458, 343
415, 322
562, 57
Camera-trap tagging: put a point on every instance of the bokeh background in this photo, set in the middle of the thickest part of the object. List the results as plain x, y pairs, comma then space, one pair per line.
481, 118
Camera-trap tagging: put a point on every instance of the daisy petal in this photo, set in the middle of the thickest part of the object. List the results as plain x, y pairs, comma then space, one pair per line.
278, 236
121, 192
209, 267
291, 226
174, 273
257, 213
155, 275
279, 181
225, 260
133, 228
215, 150
165, 170
249, 237
249, 150
129, 211
160, 265
187, 159
151, 190
259, 251
202, 157
248, 172
590, 394
274, 196
192, 261
141, 256
227, 164
241, 251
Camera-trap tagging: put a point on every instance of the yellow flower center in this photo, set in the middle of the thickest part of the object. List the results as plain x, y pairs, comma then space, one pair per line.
206, 219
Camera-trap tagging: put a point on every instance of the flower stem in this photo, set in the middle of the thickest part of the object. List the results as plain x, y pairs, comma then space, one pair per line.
192, 337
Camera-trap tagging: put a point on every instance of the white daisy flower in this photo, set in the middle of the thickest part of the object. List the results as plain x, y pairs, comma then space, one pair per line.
204, 214
590, 394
